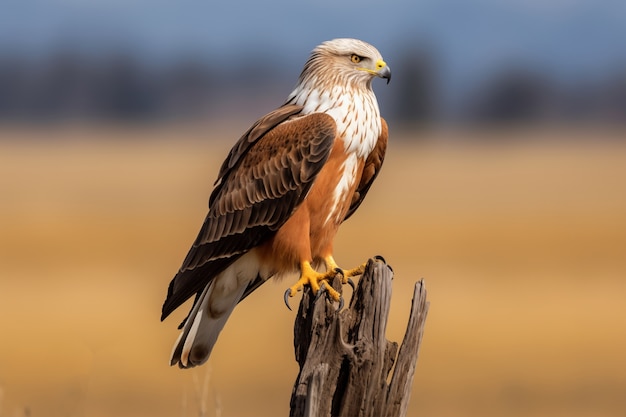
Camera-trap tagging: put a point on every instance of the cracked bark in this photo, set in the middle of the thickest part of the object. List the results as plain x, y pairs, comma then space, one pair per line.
346, 363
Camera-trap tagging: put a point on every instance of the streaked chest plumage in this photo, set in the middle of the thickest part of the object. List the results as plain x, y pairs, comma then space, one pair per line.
358, 122
355, 112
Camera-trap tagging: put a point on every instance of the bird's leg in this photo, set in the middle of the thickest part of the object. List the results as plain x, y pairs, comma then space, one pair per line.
312, 278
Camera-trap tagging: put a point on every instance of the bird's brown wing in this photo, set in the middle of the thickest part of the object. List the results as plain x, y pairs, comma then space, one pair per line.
372, 166
265, 177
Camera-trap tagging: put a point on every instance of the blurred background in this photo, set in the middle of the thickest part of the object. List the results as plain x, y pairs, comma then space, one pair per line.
504, 187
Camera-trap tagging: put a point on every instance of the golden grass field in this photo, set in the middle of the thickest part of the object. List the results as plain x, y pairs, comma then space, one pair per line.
522, 245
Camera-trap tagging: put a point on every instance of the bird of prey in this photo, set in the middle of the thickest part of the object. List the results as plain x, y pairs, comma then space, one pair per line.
282, 192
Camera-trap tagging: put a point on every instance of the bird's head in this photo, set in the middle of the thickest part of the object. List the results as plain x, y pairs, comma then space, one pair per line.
350, 60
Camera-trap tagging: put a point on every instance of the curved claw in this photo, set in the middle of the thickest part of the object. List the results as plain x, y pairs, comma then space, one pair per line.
324, 289
286, 297
320, 291
351, 284
338, 271
380, 258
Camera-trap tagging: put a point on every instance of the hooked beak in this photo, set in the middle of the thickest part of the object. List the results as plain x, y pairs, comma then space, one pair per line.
385, 72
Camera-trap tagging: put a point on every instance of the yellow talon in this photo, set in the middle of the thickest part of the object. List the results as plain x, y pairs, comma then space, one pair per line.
348, 273
312, 278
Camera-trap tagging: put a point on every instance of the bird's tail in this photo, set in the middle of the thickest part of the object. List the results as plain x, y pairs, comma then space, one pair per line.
208, 317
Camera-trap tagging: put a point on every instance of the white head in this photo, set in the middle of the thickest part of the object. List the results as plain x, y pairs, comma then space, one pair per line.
348, 62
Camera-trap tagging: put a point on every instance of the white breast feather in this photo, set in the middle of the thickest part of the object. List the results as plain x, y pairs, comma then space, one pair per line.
357, 117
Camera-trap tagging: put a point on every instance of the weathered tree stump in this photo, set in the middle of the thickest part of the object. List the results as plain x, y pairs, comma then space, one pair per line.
344, 357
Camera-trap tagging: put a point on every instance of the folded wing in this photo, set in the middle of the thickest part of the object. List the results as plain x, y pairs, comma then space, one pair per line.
265, 177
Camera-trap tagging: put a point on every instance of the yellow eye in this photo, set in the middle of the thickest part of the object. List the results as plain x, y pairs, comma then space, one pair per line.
355, 58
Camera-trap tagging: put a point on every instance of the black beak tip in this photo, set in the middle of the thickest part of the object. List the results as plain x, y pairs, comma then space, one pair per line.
385, 73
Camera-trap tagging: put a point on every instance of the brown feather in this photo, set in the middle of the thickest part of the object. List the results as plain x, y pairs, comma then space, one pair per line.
266, 176
258, 129
372, 166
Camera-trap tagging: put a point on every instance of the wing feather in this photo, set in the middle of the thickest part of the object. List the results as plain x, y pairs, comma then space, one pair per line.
265, 177
372, 166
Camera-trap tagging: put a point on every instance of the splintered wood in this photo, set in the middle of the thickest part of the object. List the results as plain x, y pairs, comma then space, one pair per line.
345, 359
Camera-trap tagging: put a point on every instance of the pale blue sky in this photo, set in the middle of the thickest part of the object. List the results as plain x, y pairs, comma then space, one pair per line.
570, 38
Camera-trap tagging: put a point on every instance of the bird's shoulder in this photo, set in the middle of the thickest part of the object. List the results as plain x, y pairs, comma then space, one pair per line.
284, 141
285, 122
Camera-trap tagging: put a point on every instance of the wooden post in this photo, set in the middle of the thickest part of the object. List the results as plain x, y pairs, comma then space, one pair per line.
344, 357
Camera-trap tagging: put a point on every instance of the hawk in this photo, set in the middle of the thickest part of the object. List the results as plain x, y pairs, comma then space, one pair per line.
282, 192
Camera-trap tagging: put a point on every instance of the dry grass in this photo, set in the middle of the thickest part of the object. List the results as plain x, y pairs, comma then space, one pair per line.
522, 246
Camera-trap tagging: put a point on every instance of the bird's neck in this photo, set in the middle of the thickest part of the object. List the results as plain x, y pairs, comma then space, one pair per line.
354, 110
